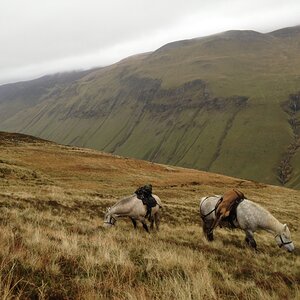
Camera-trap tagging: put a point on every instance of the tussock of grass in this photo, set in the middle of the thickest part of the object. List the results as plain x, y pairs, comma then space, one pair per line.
121, 263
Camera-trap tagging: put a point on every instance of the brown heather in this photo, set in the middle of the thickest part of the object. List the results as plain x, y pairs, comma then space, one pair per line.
53, 245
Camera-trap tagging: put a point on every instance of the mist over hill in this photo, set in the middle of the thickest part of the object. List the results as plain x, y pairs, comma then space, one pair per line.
227, 103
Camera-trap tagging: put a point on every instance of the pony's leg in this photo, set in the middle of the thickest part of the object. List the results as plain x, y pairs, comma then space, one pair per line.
250, 239
145, 226
157, 220
206, 226
134, 223
151, 222
215, 223
210, 236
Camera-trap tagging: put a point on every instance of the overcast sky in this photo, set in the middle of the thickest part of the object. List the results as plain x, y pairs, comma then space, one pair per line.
38, 37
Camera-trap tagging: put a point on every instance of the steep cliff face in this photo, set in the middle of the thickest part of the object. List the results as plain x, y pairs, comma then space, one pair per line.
217, 103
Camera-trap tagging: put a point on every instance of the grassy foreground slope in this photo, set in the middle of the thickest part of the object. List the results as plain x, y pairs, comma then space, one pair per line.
53, 246
219, 103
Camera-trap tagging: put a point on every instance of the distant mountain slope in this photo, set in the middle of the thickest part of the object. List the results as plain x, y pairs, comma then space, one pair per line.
226, 103
18, 96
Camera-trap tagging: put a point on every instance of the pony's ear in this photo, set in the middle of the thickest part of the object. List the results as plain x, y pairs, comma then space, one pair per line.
284, 227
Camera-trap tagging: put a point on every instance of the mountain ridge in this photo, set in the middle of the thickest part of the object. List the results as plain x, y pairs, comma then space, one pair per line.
214, 103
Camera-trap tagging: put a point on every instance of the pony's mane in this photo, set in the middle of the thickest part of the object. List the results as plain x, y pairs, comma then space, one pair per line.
124, 200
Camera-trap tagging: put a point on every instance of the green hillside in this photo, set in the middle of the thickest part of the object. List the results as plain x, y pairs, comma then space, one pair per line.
228, 103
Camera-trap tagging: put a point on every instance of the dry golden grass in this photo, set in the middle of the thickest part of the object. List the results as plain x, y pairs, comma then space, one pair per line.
53, 245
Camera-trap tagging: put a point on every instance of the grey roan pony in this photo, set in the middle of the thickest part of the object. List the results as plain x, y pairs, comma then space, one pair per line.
250, 217
133, 208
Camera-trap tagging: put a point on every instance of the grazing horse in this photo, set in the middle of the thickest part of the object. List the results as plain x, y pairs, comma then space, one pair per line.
250, 217
133, 208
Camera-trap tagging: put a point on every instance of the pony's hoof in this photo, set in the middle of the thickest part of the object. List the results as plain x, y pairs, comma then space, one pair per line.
210, 237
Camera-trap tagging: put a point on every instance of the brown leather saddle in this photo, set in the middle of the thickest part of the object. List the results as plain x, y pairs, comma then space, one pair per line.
226, 207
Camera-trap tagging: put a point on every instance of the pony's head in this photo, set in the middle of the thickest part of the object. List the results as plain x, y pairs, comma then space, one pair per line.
109, 219
284, 239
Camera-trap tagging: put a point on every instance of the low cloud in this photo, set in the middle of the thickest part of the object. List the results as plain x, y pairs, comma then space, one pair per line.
41, 37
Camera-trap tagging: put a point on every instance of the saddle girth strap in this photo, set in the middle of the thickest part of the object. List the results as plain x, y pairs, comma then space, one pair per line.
232, 216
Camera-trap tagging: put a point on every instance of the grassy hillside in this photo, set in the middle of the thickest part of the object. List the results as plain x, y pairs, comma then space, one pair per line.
53, 245
217, 103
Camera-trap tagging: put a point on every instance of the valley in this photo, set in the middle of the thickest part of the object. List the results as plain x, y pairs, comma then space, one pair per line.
216, 104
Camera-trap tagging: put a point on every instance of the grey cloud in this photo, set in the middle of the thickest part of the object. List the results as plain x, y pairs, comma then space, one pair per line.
39, 37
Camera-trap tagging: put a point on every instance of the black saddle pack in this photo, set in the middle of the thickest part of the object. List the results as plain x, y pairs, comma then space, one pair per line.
144, 193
